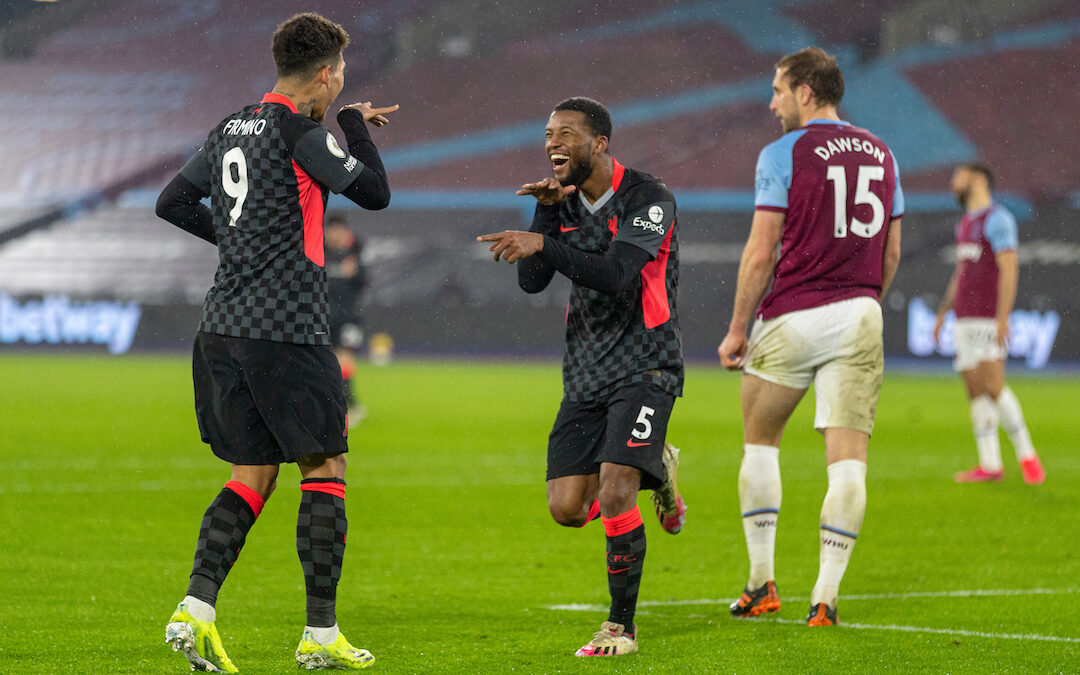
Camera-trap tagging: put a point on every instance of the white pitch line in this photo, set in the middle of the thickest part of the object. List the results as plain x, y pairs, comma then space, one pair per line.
938, 631
580, 607
963, 594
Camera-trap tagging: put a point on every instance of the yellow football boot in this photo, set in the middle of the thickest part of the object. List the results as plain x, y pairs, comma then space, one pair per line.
339, 654
198, 641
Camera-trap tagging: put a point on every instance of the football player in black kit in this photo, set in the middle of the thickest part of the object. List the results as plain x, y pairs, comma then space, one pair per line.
268, 389
612, 231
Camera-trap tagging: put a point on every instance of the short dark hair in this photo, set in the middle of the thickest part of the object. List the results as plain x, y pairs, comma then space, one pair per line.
984, 169
596, 115
814, 67
307, 42
336, 217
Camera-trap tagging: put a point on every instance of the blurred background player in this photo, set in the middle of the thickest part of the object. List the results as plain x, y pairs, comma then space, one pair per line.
982, 290
610, 230
263, 343
828, 194
346, 276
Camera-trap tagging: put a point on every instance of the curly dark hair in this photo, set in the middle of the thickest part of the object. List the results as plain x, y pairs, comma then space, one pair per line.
815, 67
307, 42
597, 116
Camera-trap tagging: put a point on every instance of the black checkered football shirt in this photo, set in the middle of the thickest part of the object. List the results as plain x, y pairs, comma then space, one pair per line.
632, 336
267, 170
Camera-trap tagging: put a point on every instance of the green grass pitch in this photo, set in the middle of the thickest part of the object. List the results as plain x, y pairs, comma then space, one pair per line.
454, 565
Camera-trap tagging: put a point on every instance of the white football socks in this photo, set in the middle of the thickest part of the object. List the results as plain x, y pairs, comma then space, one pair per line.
841, 518
759, 499
1012, 420
984, 422
322, 634
203, 611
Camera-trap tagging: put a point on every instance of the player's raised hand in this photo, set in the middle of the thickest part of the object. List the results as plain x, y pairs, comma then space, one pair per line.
732, 351
513, 245
376, 116
548, 191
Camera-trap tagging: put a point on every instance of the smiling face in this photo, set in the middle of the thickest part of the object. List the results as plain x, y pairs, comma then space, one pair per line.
784, 103
571, 145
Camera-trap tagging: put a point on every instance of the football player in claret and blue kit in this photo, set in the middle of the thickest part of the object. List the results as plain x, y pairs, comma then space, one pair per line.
827, 194
982, 292
613, 232
268, 389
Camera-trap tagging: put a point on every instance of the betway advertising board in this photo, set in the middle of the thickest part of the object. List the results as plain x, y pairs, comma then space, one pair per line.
435, 291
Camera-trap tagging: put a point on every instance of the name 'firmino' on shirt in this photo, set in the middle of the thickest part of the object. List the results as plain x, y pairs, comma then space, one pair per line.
268, 170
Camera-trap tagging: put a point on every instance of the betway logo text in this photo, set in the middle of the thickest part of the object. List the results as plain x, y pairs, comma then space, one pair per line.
1032, 334
57, 320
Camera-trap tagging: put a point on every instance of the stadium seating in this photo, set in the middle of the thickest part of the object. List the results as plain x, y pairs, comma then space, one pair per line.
1009, 104
111, 253
119, 101
104, 102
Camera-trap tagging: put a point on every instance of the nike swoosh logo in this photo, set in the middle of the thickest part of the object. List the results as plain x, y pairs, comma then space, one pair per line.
631, 444
564, 228
617, 571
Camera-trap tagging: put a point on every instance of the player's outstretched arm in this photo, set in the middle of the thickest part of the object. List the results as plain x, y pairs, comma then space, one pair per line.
179, 204
548, 192
513, 245
755, 271
377, 116
370, 189
609, 273
534, 273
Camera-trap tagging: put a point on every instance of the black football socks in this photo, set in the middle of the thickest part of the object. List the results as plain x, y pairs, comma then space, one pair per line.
320, 542
224, 528
625, 562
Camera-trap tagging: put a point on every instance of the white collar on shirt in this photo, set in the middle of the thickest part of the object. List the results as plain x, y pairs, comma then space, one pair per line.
593, 208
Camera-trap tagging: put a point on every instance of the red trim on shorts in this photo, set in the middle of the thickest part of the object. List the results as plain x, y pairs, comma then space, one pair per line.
621, 524
311, 209
253, 499
335, 489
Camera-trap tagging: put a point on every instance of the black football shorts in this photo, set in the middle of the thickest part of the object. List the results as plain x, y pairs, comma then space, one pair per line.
627, 427
263, 402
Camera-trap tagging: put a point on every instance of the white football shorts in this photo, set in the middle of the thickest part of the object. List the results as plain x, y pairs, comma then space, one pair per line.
837, 347
976, 340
